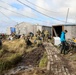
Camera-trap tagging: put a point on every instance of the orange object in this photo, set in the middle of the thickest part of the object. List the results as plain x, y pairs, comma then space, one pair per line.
74, 40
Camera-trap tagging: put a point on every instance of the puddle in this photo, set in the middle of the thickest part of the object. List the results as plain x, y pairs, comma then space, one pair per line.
18, 69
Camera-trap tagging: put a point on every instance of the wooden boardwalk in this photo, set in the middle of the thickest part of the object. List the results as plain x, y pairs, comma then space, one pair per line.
57, 64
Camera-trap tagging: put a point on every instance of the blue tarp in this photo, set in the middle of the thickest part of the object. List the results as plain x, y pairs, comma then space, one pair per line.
13, 30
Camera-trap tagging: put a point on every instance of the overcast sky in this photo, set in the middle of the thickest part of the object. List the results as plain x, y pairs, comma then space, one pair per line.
54, 11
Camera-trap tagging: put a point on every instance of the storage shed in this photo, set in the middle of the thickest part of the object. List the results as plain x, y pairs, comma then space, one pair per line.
71, 28
25, 28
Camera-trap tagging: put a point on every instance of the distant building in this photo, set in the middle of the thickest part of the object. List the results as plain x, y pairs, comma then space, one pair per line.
71, 28
55, 30
25, 28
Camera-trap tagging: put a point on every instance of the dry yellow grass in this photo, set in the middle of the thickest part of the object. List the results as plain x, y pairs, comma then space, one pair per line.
11, 53
33, 39
15, 46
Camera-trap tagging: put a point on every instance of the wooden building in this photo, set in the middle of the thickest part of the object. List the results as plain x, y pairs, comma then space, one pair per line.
71, 28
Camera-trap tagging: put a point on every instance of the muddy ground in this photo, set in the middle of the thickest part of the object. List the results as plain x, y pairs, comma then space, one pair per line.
31, 60
71, 57
33, 57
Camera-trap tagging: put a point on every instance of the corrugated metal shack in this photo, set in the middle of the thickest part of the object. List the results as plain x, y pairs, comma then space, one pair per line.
25, 28
71, 28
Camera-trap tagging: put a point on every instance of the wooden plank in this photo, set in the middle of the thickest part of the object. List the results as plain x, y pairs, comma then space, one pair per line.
55, 32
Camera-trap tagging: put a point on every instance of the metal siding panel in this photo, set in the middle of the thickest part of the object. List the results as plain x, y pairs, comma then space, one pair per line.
35, 29
29, 28
68, 34
39, 28
47, 28
8, 32
25, 28
71, 31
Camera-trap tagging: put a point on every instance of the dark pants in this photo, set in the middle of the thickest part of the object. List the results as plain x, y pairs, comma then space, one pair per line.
63, 47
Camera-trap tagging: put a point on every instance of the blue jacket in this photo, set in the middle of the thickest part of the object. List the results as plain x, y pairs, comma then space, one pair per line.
62, 37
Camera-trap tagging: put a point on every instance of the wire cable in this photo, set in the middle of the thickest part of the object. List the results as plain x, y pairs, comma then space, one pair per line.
9, 4
41, 7
7, 17
22, 14
40, 12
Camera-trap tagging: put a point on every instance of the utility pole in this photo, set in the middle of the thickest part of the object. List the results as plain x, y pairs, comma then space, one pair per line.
67, 15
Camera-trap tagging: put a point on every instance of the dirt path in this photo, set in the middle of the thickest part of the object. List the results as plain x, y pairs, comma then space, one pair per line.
57, 64
33, 57
29, 62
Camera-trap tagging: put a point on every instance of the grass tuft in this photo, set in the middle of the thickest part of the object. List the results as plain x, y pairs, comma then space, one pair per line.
43, 61
11, 53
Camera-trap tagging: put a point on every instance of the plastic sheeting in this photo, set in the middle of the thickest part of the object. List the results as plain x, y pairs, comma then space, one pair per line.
13, 30
57, 40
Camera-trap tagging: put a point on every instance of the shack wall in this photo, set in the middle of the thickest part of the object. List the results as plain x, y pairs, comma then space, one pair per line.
71, 31
24, 28
47, 28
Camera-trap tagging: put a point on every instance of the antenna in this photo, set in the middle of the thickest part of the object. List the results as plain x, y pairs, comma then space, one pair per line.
67, 15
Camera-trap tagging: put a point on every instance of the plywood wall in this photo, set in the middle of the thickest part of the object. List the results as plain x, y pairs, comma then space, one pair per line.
71, 31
